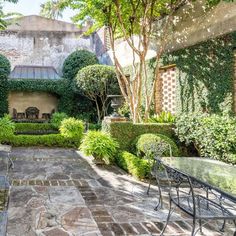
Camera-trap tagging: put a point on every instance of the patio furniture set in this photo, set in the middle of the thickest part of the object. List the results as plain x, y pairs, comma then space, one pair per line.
202, 188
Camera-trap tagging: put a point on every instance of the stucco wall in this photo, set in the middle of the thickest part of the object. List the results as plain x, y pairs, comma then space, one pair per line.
45, 102
40, 48
36, 40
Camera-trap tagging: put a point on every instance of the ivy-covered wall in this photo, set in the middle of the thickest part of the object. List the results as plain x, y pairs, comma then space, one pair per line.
205, 75
60, 87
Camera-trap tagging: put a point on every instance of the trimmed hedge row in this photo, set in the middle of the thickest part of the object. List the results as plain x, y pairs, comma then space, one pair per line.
134, 165
50, 140
33, 127
126, 132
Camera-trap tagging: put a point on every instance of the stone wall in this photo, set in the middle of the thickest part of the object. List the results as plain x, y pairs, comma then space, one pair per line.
40, 48
35, 40
45, 102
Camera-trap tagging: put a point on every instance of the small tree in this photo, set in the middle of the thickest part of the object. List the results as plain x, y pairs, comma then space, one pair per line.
151, 22
96, 82
76, 61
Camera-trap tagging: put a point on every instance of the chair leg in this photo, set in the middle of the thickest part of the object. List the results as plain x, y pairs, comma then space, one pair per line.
160, 201
167, 220
11, 162
149, 185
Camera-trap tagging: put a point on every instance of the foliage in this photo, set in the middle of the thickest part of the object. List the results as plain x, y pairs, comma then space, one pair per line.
100, 145
126, 132
59, 87
76, 61
205, 80
138, 167
94, 126
49, 140
34, 128
96, 82
126, 19
152, 144
7, 19
7, 128
213, 135
57, 118
5, 68
163, 117
50, 9
124, 110
72, 128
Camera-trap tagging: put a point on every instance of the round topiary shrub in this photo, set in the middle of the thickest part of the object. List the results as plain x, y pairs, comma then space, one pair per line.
5, 66
76, 61
155, 145
96, 82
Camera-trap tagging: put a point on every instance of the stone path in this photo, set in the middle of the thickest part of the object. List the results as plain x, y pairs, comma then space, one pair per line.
58, 192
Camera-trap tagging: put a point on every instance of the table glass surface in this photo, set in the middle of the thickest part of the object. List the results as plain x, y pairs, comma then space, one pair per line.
215, 173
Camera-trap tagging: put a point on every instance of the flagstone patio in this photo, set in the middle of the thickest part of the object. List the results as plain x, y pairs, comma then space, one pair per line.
59, 192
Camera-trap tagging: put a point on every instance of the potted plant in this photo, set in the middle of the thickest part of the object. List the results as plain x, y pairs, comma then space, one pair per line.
99, 145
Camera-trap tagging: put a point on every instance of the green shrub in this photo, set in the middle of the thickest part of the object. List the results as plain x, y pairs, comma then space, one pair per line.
57, 118
139, 168
50, 140
76, 61
96, 82
163, 117
94, 126
33, 127
5, 66
126, 132
149, 145
100, 145
72, 128
214, 136
7, 128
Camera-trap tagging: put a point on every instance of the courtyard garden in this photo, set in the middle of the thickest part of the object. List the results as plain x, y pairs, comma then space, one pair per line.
124, 126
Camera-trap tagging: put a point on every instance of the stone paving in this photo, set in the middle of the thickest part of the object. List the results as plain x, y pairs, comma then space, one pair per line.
59, 192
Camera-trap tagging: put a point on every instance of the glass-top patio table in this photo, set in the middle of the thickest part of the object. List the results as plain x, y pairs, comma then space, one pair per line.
214, 174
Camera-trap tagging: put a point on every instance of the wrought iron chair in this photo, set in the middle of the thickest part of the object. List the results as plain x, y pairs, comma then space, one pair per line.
157, 150
185, 193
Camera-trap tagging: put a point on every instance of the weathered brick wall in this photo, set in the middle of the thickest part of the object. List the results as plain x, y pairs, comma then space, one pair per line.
165, 94
41, 47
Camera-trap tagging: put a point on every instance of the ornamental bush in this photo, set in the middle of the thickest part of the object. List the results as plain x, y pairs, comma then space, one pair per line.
137, 167
76, 61
214, 136
100, 145
57, 118
5, 69
96, 82
71, 128
5, 66
7, 128
155, 144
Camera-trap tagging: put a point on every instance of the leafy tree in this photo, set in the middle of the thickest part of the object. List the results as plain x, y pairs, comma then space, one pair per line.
76, 61
96, 82
150, 22
6, 19
50, 9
